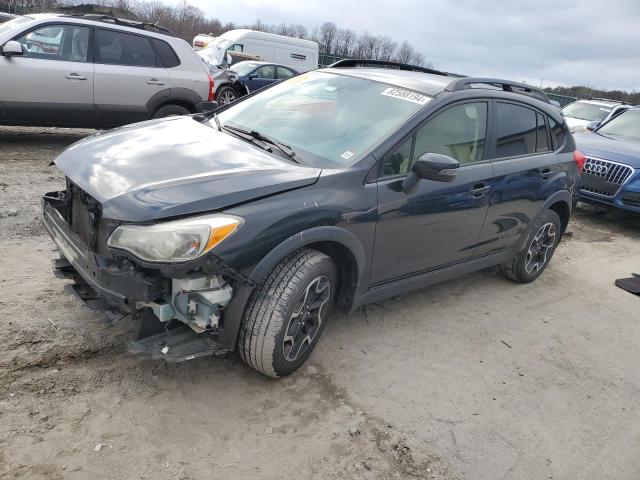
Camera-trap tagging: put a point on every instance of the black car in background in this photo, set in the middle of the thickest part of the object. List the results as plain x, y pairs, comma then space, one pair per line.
341, 186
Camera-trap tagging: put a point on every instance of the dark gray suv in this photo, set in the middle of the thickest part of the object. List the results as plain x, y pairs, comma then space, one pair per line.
341, 186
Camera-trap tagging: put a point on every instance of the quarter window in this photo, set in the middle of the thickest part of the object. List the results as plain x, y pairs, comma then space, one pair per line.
397, 162
285, 73
542, 139
117, 48
68, 43
168, 56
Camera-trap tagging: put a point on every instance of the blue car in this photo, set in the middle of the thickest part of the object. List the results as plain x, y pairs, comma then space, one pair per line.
246, 77
611, 172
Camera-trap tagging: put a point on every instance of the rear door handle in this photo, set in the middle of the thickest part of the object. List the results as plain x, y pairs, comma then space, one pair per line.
546, 173
154, 81
480, 189
74, 76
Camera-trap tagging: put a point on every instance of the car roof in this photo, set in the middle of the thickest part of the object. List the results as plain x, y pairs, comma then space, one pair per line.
88, 19
427, 83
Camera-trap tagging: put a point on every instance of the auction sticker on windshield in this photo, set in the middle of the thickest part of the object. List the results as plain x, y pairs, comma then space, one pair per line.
408, 95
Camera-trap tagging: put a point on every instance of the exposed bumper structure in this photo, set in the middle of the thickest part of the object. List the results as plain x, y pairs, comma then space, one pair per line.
118, 287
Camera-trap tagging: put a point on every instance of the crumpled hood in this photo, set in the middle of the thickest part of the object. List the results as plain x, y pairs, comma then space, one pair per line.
175, 166
608, 148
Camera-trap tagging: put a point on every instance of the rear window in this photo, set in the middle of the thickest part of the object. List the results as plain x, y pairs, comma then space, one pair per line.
167, 54
118, 48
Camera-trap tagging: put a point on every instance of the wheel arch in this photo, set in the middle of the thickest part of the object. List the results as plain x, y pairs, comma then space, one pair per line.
560, 202
339, 244
176, 96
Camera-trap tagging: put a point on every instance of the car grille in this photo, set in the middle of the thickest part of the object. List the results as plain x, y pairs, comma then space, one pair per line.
602, 177
85, 218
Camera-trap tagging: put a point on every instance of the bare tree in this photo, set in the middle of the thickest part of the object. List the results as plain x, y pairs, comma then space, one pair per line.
387, 48
299, 31
345, 42
404, 53
327, 36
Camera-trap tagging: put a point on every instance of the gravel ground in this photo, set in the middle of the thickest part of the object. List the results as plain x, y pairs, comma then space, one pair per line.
476, 378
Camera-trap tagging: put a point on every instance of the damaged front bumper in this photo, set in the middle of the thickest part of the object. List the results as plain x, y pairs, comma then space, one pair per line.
177, 318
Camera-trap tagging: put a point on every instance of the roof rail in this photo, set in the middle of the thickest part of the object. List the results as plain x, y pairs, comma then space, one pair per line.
361, 62
99, 17
505, 85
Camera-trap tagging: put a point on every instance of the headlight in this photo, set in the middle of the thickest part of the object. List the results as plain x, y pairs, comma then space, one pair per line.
175, 241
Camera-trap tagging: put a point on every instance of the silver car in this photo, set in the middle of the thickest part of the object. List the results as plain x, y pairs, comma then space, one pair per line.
96, 71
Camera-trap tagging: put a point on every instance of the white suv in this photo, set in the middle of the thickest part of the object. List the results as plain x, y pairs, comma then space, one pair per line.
96, 71
583, 115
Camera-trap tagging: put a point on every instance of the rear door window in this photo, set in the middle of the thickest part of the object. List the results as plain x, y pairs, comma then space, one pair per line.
516, 128
118, 48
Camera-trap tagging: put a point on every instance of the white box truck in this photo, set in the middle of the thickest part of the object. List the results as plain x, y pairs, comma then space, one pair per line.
299, 54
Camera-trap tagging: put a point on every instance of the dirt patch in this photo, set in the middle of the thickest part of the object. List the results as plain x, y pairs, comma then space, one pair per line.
75, 404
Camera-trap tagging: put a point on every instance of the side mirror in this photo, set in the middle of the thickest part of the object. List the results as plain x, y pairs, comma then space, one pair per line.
593, 125
252, 76
12, 48
431, 166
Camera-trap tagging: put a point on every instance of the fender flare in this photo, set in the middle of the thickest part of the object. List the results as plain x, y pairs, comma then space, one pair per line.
563, 196
234, 311
307, 237
172, 95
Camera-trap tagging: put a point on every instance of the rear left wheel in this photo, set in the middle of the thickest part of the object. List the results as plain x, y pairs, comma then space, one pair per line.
285, 317
541, 244
227, 95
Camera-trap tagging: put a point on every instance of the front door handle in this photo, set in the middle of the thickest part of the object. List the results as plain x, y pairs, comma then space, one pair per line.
74, 76
154, 81
480, 189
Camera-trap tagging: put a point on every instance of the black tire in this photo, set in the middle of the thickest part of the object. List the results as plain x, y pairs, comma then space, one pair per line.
274, 313
539, 248
226, 95
170, 111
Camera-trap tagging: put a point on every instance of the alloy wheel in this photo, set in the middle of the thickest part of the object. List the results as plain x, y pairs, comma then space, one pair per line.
540, 247
306, 319
227, 97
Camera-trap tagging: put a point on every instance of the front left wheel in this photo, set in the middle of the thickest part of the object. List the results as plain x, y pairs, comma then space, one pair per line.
284, 318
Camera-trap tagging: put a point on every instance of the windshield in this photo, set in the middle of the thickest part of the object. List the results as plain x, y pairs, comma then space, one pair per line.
11, 24
586, 111
243, 68
626, 125
335, 118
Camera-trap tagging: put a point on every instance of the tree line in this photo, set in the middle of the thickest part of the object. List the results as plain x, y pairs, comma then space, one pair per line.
186, 21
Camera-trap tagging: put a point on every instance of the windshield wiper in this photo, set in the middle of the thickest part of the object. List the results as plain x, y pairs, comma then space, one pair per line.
214, 115
285, 149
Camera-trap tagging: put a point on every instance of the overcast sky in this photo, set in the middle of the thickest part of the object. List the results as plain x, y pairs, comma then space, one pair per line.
576, 42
